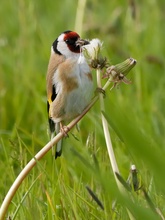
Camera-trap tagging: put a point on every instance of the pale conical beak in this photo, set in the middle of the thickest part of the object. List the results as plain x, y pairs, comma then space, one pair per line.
80, 42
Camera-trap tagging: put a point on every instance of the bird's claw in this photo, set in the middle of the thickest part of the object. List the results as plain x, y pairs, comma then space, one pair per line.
100, 90
64, 130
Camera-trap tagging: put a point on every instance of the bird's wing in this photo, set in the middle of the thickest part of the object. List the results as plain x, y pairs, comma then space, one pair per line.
54, 62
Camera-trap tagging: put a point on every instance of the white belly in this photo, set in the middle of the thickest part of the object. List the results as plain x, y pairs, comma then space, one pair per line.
71, 102
79, 98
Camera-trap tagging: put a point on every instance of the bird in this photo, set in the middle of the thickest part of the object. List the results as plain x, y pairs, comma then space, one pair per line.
69, 83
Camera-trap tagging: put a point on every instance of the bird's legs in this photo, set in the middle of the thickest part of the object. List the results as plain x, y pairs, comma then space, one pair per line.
100, 90
64, 129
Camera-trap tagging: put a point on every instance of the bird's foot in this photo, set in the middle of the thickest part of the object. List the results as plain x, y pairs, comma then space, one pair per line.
100, 90
64, 129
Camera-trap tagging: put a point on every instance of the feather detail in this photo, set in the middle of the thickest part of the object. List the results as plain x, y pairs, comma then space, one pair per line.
54, 62
59, 144
54, 127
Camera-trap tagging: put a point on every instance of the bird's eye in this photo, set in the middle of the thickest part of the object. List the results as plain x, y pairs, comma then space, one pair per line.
71, 41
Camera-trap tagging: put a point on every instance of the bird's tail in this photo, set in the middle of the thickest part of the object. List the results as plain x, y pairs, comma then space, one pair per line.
54, 129
59, 144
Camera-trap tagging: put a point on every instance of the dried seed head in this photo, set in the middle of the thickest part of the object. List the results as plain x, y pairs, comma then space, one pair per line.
92, 50
92, 53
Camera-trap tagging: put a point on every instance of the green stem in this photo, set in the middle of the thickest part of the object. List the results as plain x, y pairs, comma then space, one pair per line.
108, 138
106, 130
80, 16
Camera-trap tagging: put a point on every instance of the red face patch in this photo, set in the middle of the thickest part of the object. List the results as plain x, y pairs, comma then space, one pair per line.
71, 34
70, 38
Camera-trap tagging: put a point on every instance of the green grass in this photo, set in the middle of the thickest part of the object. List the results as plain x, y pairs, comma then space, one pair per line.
57, 189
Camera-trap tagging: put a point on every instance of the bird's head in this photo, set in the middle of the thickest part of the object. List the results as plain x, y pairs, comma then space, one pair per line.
68, 44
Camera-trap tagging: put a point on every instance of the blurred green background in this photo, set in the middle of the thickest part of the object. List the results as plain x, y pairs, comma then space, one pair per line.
56, 189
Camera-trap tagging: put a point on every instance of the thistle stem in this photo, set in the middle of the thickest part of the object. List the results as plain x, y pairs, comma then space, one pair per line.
106, 130
111, 154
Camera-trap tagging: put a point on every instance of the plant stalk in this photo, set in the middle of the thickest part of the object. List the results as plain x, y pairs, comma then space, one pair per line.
79, 16
111, 154
106, 130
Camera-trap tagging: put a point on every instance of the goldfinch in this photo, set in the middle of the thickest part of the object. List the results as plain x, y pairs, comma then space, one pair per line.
69, 82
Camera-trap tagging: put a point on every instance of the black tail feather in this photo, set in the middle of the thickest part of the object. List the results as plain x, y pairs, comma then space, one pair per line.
54, 128
58, 153
51, 125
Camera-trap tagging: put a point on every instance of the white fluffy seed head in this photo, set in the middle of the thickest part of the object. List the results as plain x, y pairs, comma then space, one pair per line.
92, 50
